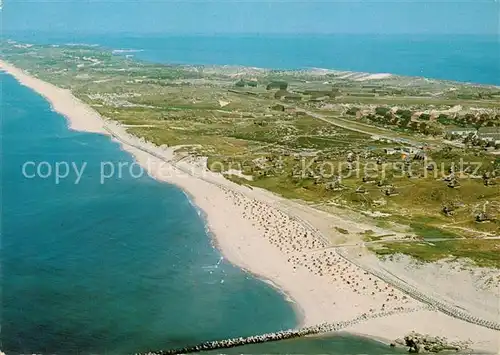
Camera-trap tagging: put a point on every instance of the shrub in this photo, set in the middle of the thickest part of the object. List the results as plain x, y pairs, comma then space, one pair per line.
382, 111
342, 230
353, 111
406, 114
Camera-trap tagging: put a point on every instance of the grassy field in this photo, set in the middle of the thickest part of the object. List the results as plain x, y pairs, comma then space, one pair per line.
482, 252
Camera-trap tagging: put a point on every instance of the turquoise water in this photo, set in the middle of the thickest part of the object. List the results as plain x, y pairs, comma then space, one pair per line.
118, 267
469, 58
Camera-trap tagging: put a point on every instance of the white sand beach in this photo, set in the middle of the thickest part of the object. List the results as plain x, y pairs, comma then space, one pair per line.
291, 244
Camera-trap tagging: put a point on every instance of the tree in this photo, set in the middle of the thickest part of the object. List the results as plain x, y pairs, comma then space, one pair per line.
353, 111
470, 118
444, 119
435, 130
406, 114
404, 122
423, 128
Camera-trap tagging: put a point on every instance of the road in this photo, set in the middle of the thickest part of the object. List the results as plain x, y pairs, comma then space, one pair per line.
338, 124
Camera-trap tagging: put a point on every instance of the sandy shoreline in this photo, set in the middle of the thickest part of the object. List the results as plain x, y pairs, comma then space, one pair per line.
254, 231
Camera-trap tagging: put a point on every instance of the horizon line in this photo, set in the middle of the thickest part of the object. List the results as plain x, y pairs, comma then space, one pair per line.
142, 33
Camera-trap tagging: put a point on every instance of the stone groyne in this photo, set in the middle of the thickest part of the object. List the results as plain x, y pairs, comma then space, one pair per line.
276, 336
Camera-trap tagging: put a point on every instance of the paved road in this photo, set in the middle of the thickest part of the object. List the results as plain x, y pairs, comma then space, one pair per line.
338, 124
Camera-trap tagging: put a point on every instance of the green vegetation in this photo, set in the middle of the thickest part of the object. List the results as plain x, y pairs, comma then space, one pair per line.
482, 252
281, 85
427, 231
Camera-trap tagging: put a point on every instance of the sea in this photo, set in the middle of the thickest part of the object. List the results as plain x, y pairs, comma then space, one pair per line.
126, 264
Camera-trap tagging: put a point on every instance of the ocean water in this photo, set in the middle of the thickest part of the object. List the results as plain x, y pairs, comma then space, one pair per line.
467, 58
116, 267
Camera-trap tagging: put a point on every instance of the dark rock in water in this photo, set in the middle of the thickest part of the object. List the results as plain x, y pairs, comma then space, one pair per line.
392, 345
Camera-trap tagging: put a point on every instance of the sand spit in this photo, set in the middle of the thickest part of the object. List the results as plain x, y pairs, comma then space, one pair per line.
261, 233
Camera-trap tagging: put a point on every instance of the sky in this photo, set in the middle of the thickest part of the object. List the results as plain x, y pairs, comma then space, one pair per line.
253, 16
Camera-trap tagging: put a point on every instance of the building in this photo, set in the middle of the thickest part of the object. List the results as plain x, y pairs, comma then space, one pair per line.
420, 155
392, 151
278, 107
410, 150
462, 132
